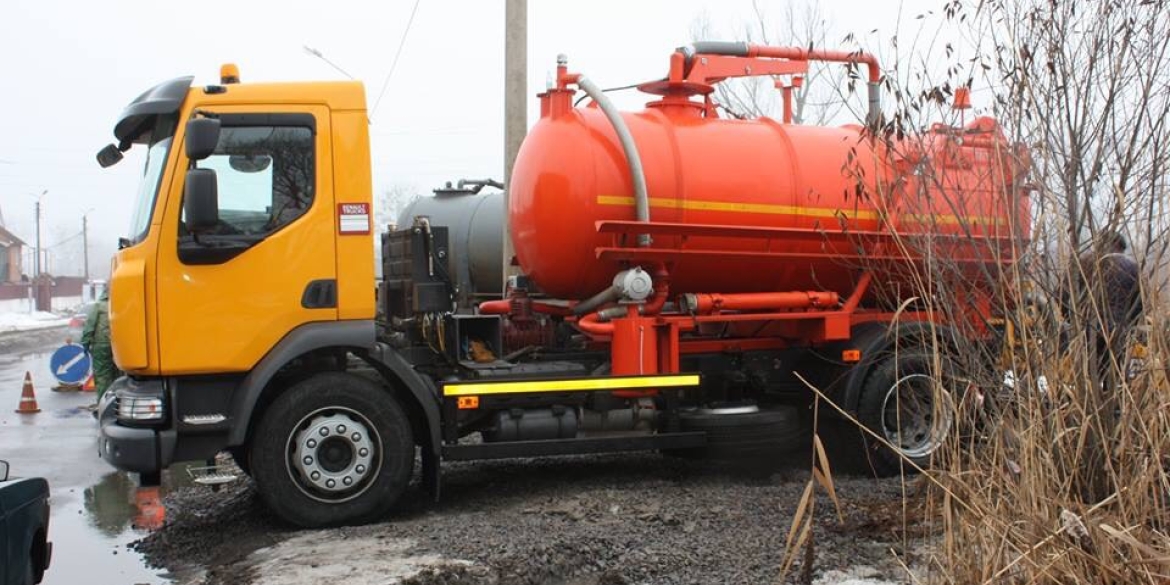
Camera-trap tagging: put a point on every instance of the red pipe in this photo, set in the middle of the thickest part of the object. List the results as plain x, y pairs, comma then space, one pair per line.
802, 54
500, 307
705, 304
504, 307
787, 91
855, 298
661, 291
590, 325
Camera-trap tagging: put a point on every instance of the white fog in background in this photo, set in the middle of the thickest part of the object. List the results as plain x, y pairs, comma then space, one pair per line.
69, 68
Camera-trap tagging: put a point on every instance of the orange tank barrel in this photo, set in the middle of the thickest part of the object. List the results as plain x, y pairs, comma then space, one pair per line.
807, 182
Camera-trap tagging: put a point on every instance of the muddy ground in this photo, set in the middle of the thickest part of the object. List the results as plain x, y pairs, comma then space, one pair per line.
610, 519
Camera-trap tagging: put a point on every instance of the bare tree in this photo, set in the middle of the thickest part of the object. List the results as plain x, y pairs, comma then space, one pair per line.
393, 201
389, 206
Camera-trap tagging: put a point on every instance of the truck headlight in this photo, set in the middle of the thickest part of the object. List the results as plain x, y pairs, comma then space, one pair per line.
140, 408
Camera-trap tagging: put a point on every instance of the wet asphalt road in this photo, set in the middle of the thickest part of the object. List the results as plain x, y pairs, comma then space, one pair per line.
93, 506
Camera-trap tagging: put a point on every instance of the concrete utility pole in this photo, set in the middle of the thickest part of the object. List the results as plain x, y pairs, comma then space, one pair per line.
515, 102
37, 258
85, 245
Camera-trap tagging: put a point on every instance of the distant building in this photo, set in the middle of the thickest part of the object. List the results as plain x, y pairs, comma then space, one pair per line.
11, 248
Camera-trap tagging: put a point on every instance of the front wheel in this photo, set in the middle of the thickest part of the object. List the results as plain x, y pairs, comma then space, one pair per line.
910, 406
334, 449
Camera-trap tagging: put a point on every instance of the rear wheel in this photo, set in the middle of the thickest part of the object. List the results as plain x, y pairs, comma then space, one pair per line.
909, 405
334, 449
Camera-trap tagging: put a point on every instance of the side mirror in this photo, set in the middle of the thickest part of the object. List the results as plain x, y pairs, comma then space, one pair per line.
3, 471
201, 201
202, 136
109, 156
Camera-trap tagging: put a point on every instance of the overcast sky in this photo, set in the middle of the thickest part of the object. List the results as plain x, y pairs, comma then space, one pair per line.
70, 66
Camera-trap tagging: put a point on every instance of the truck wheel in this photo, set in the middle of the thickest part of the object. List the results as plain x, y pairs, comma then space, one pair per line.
334, 449
905, 403
743, 432
240, 457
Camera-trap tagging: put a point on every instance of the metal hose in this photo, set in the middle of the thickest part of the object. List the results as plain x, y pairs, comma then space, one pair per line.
609, 295
641, 197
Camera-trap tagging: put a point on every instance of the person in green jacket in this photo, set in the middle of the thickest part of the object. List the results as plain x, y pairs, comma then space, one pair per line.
96, 340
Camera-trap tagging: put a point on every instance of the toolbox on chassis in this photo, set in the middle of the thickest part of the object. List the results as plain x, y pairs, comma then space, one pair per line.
648, 316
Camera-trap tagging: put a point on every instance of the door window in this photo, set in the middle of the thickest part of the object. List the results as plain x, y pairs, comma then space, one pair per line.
266, 177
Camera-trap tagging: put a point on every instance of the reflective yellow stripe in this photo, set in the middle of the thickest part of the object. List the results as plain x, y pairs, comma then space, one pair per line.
574, 385
766, 208
801, 211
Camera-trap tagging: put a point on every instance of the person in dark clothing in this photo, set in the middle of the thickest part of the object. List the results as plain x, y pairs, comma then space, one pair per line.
1102, 301
96, 339
1107, 281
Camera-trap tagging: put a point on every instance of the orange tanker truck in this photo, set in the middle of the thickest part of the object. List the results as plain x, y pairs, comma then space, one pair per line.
676, 274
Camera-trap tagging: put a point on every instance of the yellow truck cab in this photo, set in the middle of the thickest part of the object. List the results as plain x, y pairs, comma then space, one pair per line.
247, 261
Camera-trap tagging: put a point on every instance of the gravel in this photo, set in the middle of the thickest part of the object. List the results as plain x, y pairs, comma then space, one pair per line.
603, 519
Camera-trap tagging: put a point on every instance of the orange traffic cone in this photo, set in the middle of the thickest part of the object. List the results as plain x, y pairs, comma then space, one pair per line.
88, 386
28, 398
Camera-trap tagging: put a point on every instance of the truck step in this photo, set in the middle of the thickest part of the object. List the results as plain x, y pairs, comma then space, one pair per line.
212, 476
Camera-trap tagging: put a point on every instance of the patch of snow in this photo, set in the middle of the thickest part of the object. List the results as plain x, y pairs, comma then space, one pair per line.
324, 557
10, 322
859, 575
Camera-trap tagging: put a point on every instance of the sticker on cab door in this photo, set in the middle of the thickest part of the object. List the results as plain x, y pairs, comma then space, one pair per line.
353, 218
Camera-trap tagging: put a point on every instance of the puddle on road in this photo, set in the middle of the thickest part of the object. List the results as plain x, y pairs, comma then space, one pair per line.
91, 533
95, 511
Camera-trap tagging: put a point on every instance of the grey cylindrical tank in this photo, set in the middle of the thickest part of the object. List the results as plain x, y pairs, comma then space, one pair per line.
476, 232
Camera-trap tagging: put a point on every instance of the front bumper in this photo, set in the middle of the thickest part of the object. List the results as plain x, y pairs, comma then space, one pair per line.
140, 449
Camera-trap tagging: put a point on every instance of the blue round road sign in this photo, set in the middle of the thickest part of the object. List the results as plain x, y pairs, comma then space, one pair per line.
70, 364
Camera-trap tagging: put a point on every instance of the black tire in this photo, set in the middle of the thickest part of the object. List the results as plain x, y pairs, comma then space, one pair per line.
30, 575
240, 457
38, 558
749, 435
378, 462
914, 408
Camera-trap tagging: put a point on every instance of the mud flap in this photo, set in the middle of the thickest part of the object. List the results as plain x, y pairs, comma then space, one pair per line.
432, 480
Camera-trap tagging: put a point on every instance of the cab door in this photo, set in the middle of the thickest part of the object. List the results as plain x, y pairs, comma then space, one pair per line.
227, 296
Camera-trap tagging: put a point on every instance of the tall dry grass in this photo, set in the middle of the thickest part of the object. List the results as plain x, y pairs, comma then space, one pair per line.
1059, 470
1064, 477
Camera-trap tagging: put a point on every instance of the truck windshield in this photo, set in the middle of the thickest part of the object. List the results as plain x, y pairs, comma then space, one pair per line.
156, 160
159, 139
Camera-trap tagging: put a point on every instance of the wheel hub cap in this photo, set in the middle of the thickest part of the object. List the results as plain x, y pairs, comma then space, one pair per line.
915, 415
333, 453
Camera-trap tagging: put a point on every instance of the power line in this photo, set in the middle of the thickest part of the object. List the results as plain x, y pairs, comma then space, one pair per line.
319, 55
394, 63
63, 242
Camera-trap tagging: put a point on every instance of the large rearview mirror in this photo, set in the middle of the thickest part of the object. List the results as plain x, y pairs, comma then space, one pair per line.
249, 163
201, 201
3, 471
109, 156
202, 137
